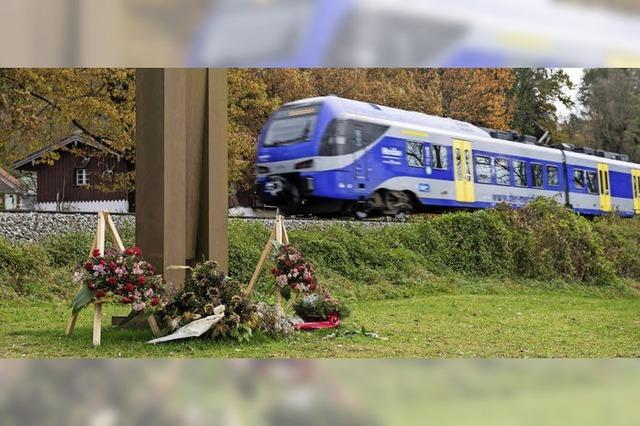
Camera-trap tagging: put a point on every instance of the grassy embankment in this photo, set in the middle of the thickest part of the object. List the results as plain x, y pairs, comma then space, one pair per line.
541, 281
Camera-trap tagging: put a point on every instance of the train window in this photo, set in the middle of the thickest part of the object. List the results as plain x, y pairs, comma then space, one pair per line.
483, 169
552, 176
291, 129
592, 184
503, 176
520, 173
578, 179
467, 163
439, 158
358, 138
537, 180
346, 136
415, 154
458, 164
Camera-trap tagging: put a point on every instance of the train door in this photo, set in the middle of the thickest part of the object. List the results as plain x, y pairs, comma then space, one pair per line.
635, 182
463, 173
604, 186
360, 161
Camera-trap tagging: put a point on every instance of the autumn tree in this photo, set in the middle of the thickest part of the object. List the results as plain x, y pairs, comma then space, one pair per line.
478, 96
41, 106
535, 93
575, 130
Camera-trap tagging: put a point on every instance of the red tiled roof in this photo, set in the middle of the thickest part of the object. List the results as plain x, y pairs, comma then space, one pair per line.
10, 183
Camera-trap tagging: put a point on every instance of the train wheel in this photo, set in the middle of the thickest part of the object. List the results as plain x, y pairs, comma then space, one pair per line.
397, 204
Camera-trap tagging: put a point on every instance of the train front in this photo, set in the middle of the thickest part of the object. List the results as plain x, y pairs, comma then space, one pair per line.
287, 168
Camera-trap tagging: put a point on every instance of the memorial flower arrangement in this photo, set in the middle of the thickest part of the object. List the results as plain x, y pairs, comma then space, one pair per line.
293, 272
122, 277
318, 306
206, 288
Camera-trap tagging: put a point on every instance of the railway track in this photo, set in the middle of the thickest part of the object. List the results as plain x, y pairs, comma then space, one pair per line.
265, 218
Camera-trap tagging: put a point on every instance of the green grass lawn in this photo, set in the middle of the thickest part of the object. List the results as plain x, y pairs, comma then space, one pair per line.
532, 324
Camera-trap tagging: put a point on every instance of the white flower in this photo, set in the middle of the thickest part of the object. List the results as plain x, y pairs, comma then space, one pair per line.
138, 306
310, 298
282, 281
77, 277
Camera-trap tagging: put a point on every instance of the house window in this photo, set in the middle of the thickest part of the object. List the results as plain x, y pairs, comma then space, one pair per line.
592, 182
552, 176
439, 158
578, 178
483, 169
415, 154
536, 175
81, 177
502, 172
520, 173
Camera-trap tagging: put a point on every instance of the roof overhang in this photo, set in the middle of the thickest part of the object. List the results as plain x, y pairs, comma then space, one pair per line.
73, 139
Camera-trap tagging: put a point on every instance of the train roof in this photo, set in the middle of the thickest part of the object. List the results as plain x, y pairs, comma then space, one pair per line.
456, 127
395, 114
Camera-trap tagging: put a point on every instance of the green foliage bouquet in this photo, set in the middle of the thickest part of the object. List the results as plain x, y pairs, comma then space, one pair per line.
318, 306
205, 289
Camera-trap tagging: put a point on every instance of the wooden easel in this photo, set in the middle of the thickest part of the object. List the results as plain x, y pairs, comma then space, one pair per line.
104, 222
279, 234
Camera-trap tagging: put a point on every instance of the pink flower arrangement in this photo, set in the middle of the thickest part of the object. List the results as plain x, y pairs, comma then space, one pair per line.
123, 277
293, 271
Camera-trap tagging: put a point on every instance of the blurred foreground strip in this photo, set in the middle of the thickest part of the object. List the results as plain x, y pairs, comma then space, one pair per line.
305, 33
323, 392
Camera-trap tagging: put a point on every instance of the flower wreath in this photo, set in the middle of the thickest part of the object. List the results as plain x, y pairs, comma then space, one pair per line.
293, 272
123, 277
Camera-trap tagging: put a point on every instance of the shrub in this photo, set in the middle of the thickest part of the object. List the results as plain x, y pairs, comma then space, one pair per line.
551, 241
68, 249
22, 258
621, 243
543, 241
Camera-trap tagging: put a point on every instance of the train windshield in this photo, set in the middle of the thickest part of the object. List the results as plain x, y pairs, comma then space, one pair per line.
291, 126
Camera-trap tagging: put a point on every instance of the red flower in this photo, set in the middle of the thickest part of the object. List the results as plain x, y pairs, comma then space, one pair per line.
100, 294
88, 266
126, 300
113, 265
155, 301
142, 280
102, 261
91, 286
128, 252
128, 287
112, 281
95, 253
136, 251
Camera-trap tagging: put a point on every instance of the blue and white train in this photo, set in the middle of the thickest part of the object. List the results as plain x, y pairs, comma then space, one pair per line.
329, 155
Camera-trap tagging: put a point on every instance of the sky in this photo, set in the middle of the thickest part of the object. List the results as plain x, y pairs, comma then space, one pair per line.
575, 74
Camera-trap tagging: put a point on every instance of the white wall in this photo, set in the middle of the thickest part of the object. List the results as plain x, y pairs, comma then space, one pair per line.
115, 206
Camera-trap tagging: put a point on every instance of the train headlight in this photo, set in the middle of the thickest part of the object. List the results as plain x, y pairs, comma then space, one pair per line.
309, 184
304, 165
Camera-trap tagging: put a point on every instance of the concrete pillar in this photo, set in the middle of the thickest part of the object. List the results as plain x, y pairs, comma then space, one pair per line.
181, 167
